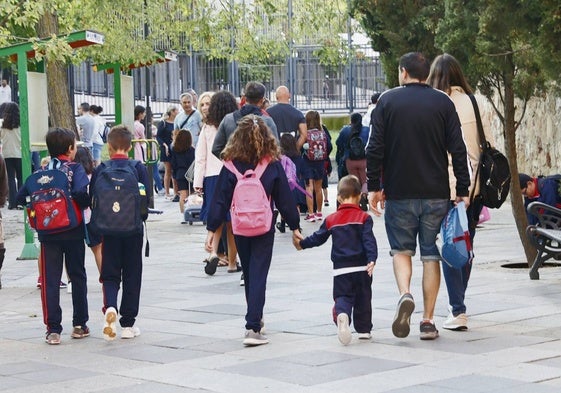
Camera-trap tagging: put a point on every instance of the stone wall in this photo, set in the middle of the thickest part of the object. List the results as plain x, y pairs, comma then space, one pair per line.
538, 139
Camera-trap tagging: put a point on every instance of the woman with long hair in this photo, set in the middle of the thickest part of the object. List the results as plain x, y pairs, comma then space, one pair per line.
207, 168
139, 133
314, 172
446, 75
251, 145
181, 160
10, 135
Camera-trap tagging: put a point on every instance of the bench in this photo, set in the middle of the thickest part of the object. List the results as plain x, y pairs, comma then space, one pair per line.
545, 236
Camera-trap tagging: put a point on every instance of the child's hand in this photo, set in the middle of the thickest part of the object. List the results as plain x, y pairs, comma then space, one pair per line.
296, 238
370, 268
208, 242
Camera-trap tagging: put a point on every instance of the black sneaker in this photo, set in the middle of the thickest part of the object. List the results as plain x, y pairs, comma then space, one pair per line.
402, 319
212, 264
175, 198
281, 226
428, 330
363, 202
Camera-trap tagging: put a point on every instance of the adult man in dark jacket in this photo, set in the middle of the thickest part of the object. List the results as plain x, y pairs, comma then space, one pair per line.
414, 127
254, 96
287, 118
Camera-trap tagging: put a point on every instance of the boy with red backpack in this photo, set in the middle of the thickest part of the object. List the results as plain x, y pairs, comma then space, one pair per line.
55, 198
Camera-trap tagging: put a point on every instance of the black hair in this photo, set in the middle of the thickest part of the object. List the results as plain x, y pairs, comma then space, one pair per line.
254, 92
356, 122
416, 65
84, 157
59, 140
138, 110
11, 118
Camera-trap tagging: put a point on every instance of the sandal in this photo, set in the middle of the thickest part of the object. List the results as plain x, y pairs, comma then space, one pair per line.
237, 269
222, 262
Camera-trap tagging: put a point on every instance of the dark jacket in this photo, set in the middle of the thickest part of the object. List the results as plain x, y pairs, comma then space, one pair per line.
353, 242
180, 162
343, 139
78, 191
276, 187
413, 129
548, 191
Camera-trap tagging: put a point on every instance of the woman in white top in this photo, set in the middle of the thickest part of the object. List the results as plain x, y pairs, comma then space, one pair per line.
207, 167
98, 132
10, 135
446, 75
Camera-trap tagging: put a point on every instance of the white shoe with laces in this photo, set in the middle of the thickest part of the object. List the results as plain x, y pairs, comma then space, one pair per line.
130, 332
458, 322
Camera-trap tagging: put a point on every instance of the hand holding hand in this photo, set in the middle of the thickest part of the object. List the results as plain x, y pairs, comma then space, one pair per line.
370, 268
296, 238
375, 197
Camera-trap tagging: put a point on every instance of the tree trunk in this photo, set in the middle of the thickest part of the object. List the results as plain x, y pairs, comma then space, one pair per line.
60, 108
516, 199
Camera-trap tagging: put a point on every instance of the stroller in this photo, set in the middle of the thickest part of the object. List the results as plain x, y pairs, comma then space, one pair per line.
194, 203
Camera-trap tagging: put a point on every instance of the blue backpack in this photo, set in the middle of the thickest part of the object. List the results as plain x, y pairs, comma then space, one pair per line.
456, 248
119, 201
51, 208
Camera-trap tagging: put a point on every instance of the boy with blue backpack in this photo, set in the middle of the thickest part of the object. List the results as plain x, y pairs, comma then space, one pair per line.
119, 191
55, 198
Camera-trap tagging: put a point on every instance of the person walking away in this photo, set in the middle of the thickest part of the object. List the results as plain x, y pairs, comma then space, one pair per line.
64, 247
446, 75
413, 128
353, 252
121, 253
287, 118
253, 147
86, 125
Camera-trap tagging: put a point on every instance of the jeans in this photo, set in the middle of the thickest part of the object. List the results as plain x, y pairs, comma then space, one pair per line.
457, 279
408, 218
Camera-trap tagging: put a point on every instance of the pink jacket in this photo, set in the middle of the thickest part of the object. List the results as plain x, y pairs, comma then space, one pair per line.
206, 163
139, 148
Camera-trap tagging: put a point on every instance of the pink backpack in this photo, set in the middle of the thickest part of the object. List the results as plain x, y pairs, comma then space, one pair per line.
251, 208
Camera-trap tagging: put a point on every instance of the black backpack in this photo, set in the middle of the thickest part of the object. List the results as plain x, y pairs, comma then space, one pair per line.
493, 170
119, 201
356, 147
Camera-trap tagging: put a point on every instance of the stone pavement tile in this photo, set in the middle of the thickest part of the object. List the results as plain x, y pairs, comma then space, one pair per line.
525, 372
524, 388
427, 389
153, 387
56, 374
478, 383
12, 383
307, 374
151, 353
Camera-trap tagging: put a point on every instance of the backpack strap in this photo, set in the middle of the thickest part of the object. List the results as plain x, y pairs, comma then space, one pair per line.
260, 168
232, 168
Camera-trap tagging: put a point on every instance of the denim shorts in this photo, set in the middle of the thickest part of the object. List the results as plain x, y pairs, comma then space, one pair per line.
96, 151
407, 218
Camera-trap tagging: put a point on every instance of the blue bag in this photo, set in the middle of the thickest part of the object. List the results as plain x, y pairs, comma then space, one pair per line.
456, 249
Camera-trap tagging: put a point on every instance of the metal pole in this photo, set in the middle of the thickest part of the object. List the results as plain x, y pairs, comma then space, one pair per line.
291, 76
350, 80
148, 117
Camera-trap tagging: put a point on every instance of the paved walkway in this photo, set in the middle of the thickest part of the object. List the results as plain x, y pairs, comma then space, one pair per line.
192, 326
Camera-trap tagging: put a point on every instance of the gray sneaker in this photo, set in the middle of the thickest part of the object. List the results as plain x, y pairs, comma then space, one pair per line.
428, 330
402, 319
254, 338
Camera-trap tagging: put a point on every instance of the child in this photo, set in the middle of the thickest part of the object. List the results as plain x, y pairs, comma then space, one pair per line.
183, 155
64, 246
121, 255
93, 240
251, 144
353, 252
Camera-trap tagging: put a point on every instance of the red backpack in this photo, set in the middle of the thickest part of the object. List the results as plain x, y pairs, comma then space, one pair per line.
317, 145
251, 208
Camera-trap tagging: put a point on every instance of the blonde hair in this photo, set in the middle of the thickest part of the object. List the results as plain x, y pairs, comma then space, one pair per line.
204, 95
251, 142
169, 109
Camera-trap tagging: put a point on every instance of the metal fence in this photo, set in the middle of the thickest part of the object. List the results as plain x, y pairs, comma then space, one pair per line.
343, 88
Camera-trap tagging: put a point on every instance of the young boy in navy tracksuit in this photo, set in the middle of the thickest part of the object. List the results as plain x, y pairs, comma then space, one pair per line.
64, 246
121, 256
354, 252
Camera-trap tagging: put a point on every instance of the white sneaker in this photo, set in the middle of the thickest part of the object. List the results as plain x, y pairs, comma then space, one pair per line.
254, 338
343, 330
458, 322
364, 336
110, 326
130, 332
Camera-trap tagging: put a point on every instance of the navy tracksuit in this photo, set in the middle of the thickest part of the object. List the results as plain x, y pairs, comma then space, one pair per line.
64, 247
122, 261
353, 246
255, 252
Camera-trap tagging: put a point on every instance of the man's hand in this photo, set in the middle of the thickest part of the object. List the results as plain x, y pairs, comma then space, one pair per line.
296, 237
375, 197
370, 268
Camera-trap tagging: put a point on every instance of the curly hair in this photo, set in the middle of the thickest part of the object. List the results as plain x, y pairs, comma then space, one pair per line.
11, 116
221, 103
251, 142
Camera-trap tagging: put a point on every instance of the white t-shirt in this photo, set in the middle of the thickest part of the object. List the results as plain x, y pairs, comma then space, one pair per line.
5, 94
